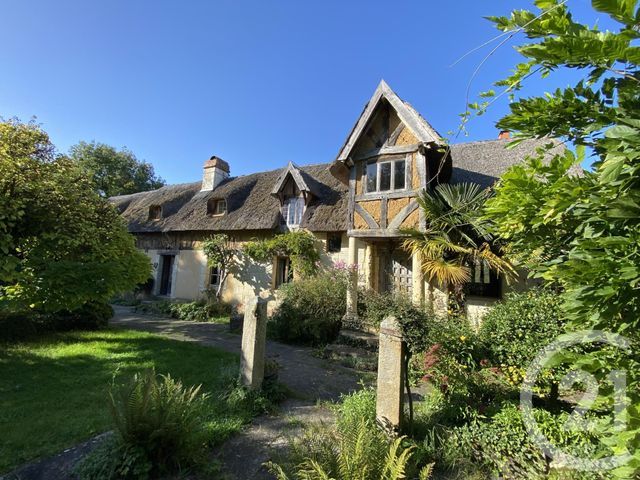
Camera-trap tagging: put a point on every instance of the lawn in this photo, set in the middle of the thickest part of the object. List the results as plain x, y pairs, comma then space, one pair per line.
53, 391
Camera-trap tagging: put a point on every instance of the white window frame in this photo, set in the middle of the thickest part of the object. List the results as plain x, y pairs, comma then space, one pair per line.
378, 164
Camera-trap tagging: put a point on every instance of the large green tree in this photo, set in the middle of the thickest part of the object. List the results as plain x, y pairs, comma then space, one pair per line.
582, 232
61, 244
114, 172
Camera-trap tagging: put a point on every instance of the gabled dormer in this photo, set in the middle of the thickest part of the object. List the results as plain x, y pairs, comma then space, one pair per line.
294, 194
390, 155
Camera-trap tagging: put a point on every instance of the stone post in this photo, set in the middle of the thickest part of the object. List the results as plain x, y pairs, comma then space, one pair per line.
254, 335
417, 280
390, 387
352, 288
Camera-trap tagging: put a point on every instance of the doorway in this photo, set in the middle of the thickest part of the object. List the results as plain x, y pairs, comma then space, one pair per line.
397, 272
166, 274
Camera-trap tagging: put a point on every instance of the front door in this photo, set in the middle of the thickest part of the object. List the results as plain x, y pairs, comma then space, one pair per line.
397, 276
166, 273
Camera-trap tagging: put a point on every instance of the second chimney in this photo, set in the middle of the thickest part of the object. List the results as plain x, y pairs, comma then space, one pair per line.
215, 171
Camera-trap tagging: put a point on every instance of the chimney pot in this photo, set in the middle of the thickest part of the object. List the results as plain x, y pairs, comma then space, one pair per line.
504, 135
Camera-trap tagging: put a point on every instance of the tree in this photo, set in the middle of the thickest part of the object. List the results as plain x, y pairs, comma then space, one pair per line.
222, 255
62, 245
582, 233
114, 172
456, 238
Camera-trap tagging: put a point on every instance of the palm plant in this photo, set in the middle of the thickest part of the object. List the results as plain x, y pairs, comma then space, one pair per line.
456, 237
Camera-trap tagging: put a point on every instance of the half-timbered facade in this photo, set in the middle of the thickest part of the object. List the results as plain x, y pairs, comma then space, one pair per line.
356, 206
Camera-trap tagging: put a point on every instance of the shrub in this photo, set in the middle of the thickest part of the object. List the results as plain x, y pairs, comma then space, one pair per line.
161, 419
516, 329
20, 326
414, 321
205, 310
503, 446
311, 309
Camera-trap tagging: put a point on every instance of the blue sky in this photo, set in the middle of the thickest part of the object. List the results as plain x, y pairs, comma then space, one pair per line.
256, 83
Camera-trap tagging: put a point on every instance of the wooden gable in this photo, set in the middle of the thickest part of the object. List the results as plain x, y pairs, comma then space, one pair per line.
384, 160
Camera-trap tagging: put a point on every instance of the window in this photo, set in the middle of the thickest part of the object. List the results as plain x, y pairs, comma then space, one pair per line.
155, 212
292, 210
484, 282
385, 176
216, 206
372, 177
284, 272
334, 242
398, 175
214, 276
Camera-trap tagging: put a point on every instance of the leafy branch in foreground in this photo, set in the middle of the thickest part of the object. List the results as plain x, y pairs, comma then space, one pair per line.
583, 232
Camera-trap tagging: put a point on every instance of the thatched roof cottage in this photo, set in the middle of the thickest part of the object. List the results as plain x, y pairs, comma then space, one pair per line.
355, 206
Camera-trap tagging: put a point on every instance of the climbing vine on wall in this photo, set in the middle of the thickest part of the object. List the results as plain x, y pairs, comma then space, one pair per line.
299, 246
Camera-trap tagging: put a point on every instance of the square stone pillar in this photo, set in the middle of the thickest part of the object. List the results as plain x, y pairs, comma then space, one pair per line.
254, 336
352, 288
390, 386
417, 280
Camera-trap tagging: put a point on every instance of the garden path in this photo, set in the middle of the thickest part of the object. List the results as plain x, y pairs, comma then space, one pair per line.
310, 379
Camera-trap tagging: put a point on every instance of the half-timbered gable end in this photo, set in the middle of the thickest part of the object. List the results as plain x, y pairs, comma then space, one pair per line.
385, 161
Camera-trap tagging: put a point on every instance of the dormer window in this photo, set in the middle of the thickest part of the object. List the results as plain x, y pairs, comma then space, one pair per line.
386, 176
216, 206
155, 212
292, 210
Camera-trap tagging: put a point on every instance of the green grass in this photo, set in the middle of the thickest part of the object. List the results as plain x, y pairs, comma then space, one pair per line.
53, 391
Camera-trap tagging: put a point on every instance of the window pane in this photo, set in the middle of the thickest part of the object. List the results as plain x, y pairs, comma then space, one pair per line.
372, 170
385, 176
299, 210
215, 276
398, 179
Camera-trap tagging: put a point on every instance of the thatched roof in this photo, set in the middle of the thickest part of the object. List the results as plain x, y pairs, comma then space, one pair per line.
485, 161
250, 205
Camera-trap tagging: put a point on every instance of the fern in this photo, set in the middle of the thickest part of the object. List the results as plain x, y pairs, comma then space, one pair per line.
158, 416
363, 454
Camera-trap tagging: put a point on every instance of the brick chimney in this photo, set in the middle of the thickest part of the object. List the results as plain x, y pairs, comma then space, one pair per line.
504, 135
215, 171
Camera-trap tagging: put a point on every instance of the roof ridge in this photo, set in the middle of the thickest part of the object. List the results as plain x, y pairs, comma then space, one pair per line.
496, 140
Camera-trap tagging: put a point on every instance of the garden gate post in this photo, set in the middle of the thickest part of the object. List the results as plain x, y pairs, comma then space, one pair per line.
254, 336
389, 400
